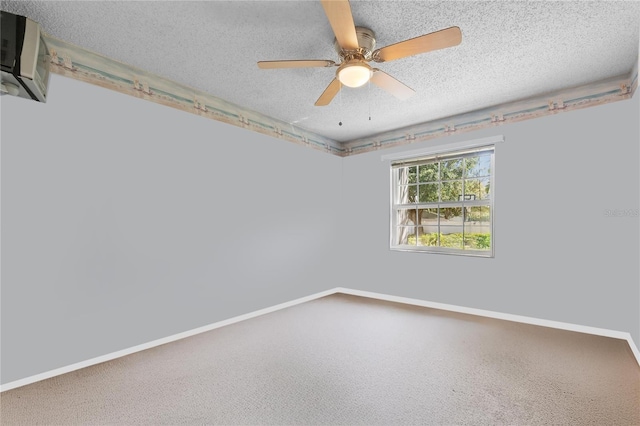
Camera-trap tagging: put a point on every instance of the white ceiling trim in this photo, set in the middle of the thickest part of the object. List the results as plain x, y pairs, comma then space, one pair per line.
78, 63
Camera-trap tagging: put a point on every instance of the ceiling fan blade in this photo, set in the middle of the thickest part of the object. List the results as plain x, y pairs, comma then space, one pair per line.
329, 93
265, 65
391, 85
433, 41
339, 14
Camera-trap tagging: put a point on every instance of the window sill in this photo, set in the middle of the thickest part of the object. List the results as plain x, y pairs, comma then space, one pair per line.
441, 250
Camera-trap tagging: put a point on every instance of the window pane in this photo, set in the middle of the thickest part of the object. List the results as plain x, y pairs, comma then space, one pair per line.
406, 175
478, 166
477, 228
405, 235
428, 220
402, 176
478, 214
451, 236
477, 241
406, 229
477, 189
451, 169
428, 192
406, 217
428, 229
428, 172
451, 216
406, 194
451, 227
412, 174
412, 193
429, 240
451, 191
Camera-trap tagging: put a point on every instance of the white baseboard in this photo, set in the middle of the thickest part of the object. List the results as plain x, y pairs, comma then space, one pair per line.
498, 315
405, 300
158, 342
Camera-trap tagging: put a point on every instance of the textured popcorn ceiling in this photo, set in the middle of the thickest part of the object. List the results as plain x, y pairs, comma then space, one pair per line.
509, 51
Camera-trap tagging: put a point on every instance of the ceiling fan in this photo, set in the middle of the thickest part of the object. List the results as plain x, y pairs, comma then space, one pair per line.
355, 46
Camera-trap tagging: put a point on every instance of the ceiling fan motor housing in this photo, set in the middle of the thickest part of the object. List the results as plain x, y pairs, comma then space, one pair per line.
366, 41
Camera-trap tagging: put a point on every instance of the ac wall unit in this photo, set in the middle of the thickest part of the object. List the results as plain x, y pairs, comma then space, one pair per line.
25, 58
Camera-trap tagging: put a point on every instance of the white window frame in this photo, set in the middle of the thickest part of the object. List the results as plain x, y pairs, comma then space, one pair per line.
435, 153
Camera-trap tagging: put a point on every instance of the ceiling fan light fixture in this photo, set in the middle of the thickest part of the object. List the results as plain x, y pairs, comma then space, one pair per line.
354, 73
357, 45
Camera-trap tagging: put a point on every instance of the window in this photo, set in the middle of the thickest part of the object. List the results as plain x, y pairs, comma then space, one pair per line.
443, 203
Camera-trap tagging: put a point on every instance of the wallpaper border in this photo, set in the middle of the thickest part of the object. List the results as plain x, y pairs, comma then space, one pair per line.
599, 93
75, 62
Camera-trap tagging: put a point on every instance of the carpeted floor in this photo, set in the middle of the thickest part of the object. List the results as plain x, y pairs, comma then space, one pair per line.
350, 360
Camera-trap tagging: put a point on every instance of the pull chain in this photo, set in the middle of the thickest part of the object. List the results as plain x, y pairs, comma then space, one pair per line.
369, 83
341, 107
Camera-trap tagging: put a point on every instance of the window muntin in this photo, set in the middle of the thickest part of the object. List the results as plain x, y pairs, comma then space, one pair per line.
444, 203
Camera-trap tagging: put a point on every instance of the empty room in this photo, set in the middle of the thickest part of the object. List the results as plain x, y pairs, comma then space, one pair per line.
320, 212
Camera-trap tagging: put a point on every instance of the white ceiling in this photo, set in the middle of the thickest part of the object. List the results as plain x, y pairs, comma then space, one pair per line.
510, 51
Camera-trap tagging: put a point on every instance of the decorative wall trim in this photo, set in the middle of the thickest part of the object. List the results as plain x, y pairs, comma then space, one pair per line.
633, 76
611, 90
75, 62
405, 300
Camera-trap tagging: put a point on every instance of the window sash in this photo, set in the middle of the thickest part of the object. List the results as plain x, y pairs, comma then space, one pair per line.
397, 207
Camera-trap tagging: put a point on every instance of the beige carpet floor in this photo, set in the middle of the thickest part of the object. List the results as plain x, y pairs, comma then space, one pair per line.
350, 360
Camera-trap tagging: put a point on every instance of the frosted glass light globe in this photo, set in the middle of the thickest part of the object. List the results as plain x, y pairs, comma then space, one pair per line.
354, 74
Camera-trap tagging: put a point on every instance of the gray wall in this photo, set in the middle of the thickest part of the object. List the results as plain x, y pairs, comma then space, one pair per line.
558, 256
124, 221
